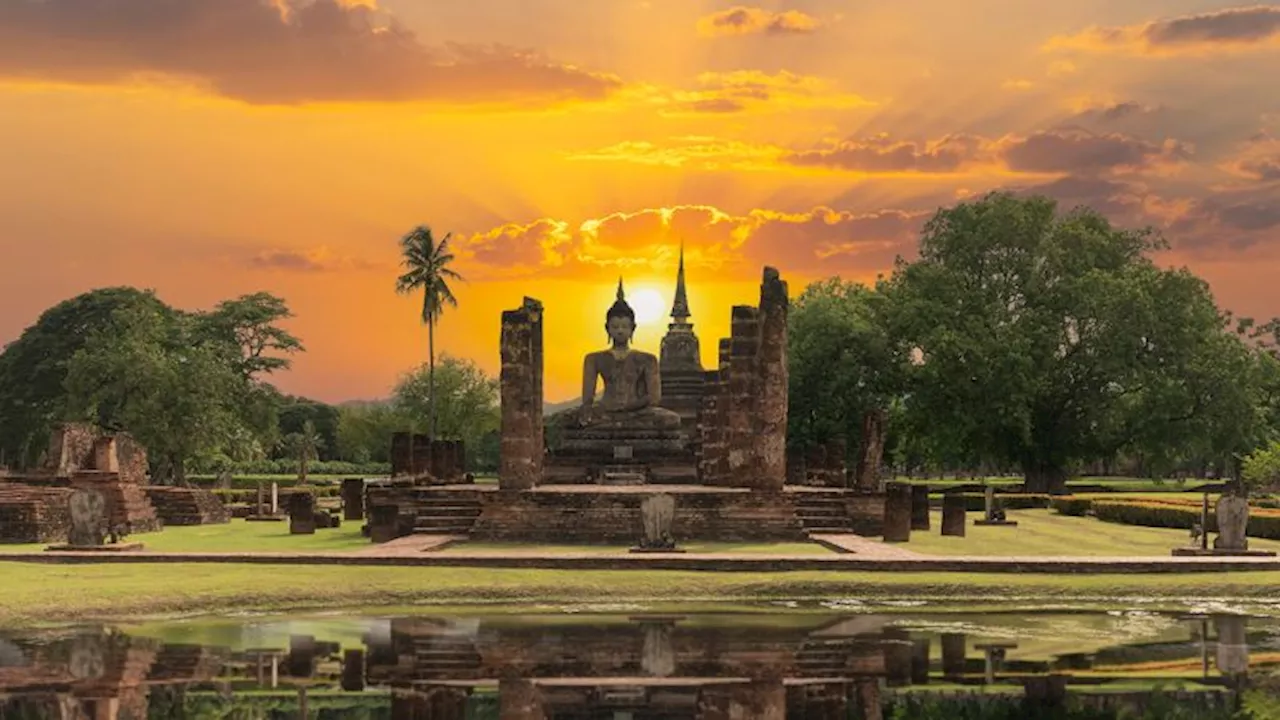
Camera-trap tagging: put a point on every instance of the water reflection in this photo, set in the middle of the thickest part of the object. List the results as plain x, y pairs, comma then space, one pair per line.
636, 667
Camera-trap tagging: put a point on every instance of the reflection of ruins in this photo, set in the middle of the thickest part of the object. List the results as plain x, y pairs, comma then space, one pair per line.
567, 667
713, 439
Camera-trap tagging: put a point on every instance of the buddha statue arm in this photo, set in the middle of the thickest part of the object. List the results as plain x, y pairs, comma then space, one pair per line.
589, 373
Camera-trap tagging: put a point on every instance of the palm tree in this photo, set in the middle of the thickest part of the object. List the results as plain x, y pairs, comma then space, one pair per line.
426, 265
305, 446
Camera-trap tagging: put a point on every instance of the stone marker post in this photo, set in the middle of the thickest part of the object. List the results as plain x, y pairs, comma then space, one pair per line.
302, 513
953, 513
353, 499
275, 498
953, 655
989, 502
1233, 521
657, 516
260, 507
353, 670
897, 512
88, 519
1233, 645
920, 661
919, 507
897, 657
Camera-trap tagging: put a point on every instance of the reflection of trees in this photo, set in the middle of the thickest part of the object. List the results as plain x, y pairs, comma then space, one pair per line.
1158, 706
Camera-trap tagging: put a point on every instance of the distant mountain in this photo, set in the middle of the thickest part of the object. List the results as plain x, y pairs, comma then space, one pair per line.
553, 408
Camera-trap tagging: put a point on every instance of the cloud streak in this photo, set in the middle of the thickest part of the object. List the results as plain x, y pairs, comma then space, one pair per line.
273, 52
1231, 29
741, 20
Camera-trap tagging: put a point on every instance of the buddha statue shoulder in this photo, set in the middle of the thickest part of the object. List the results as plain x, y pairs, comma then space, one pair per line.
632, 385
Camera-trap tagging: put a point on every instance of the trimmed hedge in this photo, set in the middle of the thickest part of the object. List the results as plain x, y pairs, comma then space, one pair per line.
977, 502
1263, 523
250, 497
1068, 505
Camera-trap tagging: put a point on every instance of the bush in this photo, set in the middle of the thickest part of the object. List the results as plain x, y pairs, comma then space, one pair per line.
1069, 505
977, 502
1262, 523
290, 467
250, 497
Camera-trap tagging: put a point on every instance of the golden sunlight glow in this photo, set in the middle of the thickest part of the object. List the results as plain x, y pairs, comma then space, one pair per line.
648, 304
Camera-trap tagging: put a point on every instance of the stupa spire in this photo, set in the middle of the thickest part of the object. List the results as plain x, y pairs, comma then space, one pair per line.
680, 308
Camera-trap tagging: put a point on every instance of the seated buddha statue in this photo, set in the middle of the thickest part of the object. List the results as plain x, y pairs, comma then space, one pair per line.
632, 386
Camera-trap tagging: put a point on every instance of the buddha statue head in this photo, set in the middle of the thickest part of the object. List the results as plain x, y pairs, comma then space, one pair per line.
620, 320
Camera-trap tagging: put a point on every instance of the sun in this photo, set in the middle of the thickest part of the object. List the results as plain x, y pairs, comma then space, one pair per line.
648, 304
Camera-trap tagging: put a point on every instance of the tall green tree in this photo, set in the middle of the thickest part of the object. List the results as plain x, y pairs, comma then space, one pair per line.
147, 374
843, 361
304, 445
465, 398
426, 270
1048, 338
33, 368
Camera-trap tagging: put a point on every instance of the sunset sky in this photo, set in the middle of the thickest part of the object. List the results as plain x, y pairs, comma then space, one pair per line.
209, 148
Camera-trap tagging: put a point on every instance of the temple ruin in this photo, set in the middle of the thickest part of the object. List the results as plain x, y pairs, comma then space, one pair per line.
713, 439
33, 505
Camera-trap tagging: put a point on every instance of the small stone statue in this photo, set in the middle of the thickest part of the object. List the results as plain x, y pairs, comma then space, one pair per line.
632, 386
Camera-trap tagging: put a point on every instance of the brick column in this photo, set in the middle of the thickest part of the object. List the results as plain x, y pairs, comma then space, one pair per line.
742, 394
953, 514
919, 507
897, 513
771, 443
520, 467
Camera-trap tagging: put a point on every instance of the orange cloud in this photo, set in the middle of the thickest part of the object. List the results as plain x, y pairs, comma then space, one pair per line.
748, 90
755, 21
1242, 28
1069, 150
306, 260
815, 242
276, 52
1258, 159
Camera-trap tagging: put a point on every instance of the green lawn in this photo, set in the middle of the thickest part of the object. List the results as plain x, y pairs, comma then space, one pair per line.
37, 593
1045, 532
239, 536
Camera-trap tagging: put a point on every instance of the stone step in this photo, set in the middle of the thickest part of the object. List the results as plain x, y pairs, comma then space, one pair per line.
820, 511
448, 511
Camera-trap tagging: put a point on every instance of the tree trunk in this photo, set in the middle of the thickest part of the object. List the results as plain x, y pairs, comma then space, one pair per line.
431, 374
1042, 477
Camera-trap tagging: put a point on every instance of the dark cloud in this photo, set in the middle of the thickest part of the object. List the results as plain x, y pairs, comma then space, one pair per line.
755, 21
1231, 28
1258, 159
1078, 151
258, 52
315, 260
883, 154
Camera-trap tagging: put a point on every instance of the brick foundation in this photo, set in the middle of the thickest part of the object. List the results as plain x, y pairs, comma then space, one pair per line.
187, 506
551, 516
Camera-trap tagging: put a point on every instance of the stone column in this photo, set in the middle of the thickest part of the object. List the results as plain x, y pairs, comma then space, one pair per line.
771, 443
953, 655
897, 513
953, 514
920, 661
897, 657
520, 467
742, 393
302, 513
401, 454
870, 451
867, 702
353, 670
352, 498
919, 507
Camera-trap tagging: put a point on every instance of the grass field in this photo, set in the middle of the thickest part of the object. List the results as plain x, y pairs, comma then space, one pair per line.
37, 593
1044, 532
239, 536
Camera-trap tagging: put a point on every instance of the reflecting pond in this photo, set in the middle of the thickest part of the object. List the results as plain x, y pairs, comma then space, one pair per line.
637, 665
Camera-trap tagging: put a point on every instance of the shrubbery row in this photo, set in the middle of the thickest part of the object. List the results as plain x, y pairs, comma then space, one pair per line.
1263, 523
290, 467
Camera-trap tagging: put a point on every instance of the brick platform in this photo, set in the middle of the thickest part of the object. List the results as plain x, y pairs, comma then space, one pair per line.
187, 506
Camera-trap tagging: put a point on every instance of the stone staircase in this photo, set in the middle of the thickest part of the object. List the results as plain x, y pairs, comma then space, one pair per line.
823, 513
451, 657
824, 658
445, 513
187, 506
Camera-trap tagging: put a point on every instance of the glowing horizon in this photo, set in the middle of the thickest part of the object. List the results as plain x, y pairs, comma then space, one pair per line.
562, 149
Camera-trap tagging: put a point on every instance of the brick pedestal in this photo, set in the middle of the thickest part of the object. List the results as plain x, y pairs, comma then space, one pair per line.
897, 512
953, 513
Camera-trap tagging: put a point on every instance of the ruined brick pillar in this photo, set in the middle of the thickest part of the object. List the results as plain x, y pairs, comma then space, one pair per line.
897, 513
742, 394
919, 507
520, 466
401, 454
953, 513
953, 656
897, 657
519, 699
771, 442
352, 498
870, 451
